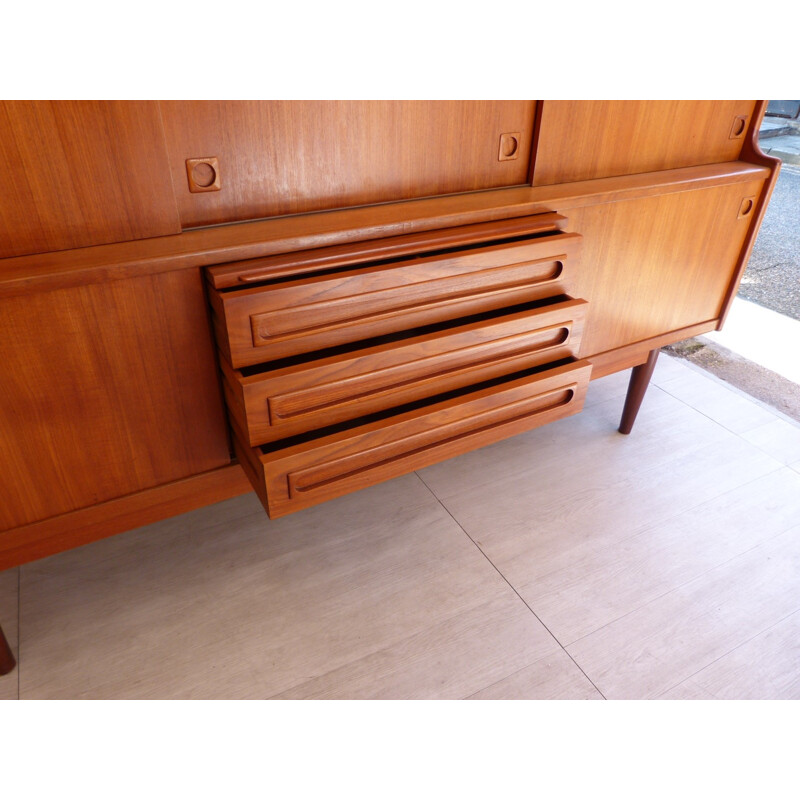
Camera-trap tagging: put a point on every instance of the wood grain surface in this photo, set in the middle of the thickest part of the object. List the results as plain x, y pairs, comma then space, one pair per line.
276, 403
75, 528
261, 324
600, 138
301, 475
658, 264
222, 244
80, 173
241, 273
107, 390
289, 157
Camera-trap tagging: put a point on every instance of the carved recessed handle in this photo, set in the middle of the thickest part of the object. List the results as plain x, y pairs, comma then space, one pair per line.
747, 206
203, 174
509, 146
739, 126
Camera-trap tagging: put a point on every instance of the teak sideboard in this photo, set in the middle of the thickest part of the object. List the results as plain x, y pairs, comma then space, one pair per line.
202, 298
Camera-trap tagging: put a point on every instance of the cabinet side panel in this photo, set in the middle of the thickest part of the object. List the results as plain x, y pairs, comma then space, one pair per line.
107, 389
285, 157
81, 173
658, 264
585, 139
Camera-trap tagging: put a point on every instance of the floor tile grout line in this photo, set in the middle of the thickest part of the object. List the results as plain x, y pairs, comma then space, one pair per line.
652, 526
387, 645
513, 589
734, 649
504, 678
685, 583
381, 649
715, 421
680, 683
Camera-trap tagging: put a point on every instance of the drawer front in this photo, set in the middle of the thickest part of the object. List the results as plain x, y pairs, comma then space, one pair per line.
298, 316
308, 473
275, 404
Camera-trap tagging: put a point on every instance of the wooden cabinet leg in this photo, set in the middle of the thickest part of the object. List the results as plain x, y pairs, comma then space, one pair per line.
7, 660
640, 379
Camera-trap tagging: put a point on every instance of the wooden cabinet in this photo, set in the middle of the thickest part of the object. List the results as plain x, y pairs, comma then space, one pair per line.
107, 390
293, 476
603, 138
272, 401
80, 173
288, 157
655, 261
280, 319
388, 284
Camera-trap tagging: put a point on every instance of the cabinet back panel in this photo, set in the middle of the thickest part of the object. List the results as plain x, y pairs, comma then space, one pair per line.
288, 157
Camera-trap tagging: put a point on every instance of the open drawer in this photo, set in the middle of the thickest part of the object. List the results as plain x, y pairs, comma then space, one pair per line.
290, 315
273, 402
293, 474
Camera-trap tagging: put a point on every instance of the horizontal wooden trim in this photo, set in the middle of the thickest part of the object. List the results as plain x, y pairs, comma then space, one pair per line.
219, 245
634, 354
243, 273
76, 528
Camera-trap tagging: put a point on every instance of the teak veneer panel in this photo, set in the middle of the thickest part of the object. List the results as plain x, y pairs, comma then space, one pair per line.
278, 403
84, 525
305, 474
241, 273
658, 264
601, 138
80, 173
107, 390
274, 321
289, 157
110, 394
251, 240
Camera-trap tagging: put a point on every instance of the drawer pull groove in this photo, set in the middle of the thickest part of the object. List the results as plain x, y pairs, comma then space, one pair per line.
350, 466
394, 247
391, 379
420, 296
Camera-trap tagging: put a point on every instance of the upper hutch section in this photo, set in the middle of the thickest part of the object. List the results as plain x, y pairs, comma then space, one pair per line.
83, 173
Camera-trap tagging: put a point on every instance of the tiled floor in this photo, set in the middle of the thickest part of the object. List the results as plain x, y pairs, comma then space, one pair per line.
568, 562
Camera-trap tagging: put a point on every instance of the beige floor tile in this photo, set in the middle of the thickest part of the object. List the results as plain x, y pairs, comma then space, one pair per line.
608, 583
554, 677
668, 368
765, 668
735, 411
449, 660
9, 584
537, 523
687, 690
672, 638
779, 438
553, 451
634, 548
610, 387
246, 609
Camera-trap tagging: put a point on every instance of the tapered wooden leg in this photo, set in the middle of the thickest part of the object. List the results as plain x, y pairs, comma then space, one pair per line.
7, 660
640, 379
